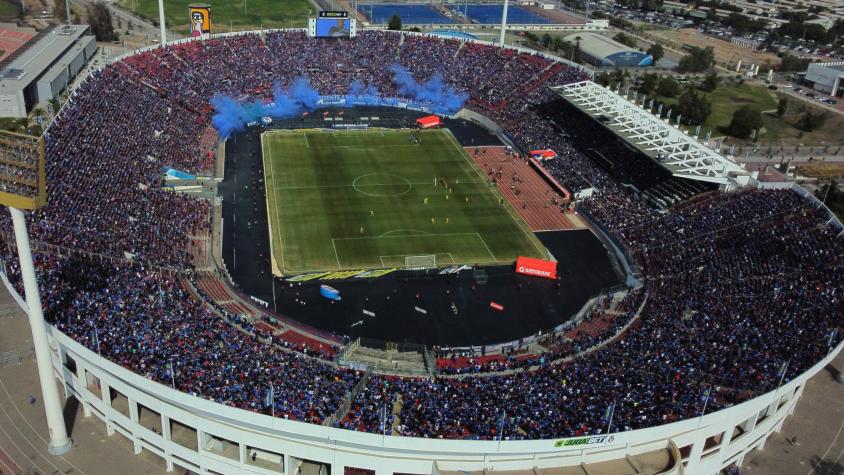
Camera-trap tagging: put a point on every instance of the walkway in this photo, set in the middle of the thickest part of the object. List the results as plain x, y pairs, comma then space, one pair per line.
23, 426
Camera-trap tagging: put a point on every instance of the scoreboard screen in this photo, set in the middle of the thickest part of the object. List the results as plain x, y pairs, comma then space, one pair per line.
332, 24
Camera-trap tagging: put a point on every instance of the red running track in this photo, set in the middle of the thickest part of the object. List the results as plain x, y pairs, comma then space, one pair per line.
531, 196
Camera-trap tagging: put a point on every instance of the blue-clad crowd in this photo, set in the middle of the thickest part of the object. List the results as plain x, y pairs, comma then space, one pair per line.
741, 289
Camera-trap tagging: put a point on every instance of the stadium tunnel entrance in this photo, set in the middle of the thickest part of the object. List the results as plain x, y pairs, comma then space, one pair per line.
443, 307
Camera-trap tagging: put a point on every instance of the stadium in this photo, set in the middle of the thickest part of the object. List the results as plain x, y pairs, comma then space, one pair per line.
256, 258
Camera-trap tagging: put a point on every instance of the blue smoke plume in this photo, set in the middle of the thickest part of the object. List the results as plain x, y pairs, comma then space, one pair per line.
435, 92
360, 93
232, 116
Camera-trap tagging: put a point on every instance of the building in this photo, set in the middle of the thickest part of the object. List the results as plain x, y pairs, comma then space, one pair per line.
602, 51
42, 68
827, 77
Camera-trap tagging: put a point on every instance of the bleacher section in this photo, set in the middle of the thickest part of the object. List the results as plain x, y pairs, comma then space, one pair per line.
628, 165
491, 14
410, 14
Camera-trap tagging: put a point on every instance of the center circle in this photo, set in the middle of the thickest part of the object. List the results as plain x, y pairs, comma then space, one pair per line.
382, 184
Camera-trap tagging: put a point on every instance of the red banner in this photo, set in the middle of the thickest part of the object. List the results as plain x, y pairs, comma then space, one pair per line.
536, 267
428, 122
496, 306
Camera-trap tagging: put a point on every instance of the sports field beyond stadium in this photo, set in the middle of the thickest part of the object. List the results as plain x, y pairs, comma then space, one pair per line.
369, 199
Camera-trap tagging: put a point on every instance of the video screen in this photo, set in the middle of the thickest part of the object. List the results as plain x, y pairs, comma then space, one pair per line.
333, 27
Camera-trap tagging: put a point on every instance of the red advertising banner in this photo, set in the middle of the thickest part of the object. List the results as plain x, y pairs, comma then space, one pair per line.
496, 306
536, 267
428, 122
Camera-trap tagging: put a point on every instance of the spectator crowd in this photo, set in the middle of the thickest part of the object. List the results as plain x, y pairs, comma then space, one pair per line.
741, 289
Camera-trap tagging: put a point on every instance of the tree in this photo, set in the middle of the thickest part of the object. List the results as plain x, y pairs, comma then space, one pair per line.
698, 60
793, 63
99, 17
694, 107
746, 119
626, 40
394, 23
810, 121
648, 84
710, 82
782, 106
656, 51
575, 54
668, 87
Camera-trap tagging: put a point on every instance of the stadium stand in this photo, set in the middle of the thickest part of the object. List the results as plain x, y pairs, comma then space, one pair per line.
380, 13
491, 14
742, 289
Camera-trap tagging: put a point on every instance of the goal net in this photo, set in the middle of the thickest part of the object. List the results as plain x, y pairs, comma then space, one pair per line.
420, 262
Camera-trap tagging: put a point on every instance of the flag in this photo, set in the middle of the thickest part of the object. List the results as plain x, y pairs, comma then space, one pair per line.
268, 397
340, 113
324, 114
783, 369
704, 397
608, 412
501, 419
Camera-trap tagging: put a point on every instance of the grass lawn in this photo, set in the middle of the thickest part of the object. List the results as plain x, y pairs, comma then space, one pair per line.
728, 98
366, 199
9, 9
269, 13
781, 131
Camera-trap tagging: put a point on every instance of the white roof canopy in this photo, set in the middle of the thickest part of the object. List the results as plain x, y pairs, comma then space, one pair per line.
682, 154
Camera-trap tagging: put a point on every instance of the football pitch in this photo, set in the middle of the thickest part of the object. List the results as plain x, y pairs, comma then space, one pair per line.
368, 199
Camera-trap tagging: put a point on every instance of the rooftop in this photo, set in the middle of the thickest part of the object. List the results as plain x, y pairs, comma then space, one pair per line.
597, 45
37, 56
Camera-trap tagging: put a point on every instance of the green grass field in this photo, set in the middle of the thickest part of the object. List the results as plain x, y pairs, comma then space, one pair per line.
366, 199
230, 14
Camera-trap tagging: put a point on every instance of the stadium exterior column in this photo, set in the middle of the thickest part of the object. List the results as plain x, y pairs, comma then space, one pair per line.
161, 22
503, 24
60, 443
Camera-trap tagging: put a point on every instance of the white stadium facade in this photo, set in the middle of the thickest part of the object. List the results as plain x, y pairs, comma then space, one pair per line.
210, 438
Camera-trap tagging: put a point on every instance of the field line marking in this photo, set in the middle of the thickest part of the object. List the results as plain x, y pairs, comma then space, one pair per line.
307, 145
451, 257
487, 247
275, 202
404, 236
514, 215
420, 183
336, 256
418, 231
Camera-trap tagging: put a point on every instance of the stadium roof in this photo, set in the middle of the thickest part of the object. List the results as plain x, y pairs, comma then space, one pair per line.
680, 153
597, 45
37, 57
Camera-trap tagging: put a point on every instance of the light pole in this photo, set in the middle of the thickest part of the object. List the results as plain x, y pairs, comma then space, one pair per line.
161, 22
59, 443
20, 153
503, 24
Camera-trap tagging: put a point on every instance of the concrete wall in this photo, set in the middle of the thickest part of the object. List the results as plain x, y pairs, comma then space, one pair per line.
12, 105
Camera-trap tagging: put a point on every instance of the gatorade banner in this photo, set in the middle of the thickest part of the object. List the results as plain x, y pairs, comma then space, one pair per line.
536, 267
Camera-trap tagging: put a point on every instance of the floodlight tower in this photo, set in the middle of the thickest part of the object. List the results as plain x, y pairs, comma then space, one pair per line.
503, 24
161, 22
28, 191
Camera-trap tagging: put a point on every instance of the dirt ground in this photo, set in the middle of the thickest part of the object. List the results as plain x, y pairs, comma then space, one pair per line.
725, 52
